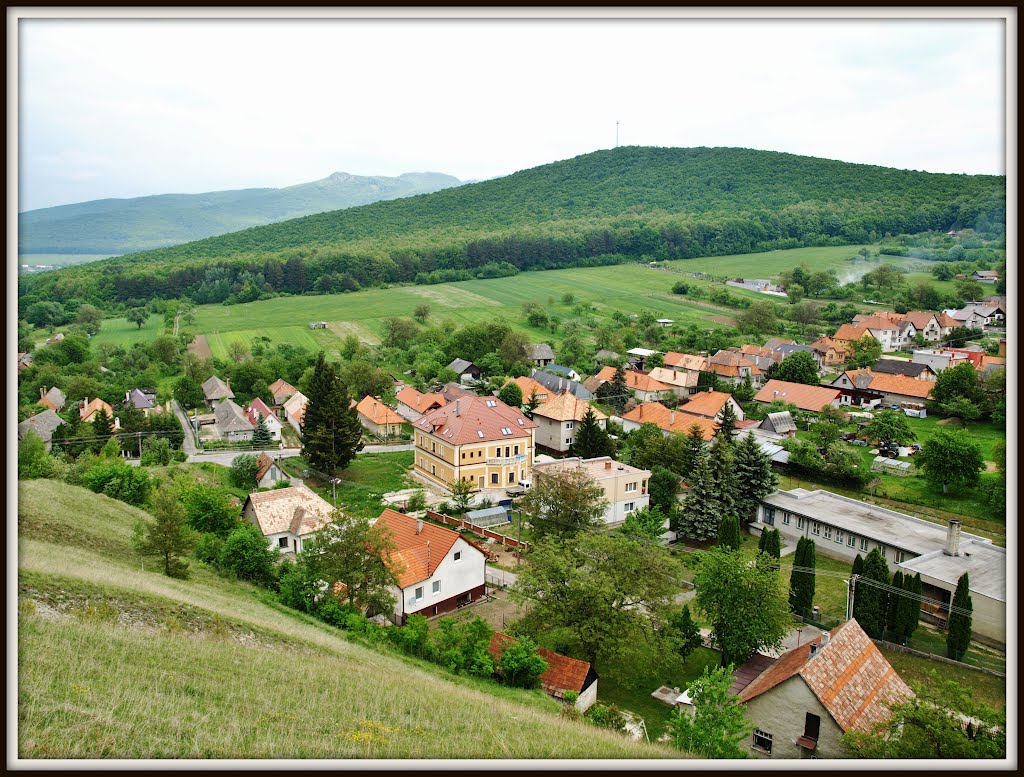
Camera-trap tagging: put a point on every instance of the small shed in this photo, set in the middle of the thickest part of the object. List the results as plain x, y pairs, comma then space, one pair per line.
488, 516
780, 423
317, 324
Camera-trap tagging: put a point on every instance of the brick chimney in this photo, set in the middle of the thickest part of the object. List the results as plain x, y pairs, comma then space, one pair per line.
607, 465
456, 413
419, 526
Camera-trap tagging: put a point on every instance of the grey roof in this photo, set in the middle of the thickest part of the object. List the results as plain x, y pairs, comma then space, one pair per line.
460, 366
900, 367
983, 561
215, 388
559, 383
769, 447
139, 399
43, 424
788, 348
604, 353
780, 422
888, 527
488, 516
231, 418
537, 351
559, 369
56, 396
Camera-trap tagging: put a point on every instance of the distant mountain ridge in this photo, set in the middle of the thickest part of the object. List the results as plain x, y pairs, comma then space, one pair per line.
142, 223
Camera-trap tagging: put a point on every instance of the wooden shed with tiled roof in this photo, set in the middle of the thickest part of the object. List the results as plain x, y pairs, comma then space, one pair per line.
563, 674
803, 702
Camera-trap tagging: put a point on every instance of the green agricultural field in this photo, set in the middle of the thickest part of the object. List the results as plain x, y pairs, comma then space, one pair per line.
121, 332
118, 661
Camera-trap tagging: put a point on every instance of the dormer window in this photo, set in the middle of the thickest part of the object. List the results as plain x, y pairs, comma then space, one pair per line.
479, 434
505, 430
519, 421
491, 403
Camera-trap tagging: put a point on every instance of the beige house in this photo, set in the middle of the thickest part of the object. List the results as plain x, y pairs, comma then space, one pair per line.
805, 700
379, 419
287, 516
295, 410
683, 382
558, 418
624, 486
711, 404
479, 439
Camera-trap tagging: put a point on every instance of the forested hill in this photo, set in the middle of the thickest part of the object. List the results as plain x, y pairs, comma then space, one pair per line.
142, 223
607, 206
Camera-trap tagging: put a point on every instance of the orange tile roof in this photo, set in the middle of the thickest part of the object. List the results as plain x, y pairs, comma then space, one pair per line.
410, 556
707, 403
946, 320
563, 673
810, 398
419, 401
376, 412
263, 465
637, 381
849, 676
850, 333
529, 386
675, 421
295, 406
674, 377
877, 322
822, 344
473, 419
900, 384
280, 386
566, 407
919, 318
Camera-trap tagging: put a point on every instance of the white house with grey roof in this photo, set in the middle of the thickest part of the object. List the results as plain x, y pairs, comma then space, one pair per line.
843, 527
43, 424
540, 354
215, 390
985, 566
232, 422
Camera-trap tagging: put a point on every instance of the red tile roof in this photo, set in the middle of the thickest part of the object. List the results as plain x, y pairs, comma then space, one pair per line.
280, 387
263, 465
850, 333
563, 673
566, 407
94, 407
947, 321
685, 361
849, 675
473, 419
810, 398
529, 386
899, 384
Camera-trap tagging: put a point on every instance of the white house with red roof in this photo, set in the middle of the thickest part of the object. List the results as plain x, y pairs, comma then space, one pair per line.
436, 568
259, 408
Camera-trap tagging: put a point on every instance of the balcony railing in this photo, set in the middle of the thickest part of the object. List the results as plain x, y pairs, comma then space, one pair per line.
506, 461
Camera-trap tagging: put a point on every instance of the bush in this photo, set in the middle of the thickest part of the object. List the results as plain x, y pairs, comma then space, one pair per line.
247, 555
120, 480
179, 456
208, 548
331, 611
243, 471
605, 716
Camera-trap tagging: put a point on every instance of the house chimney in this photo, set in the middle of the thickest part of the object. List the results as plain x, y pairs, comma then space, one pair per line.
672, 418
419, 525
42, 391
952, 539
456, 407
607, 465
824, 638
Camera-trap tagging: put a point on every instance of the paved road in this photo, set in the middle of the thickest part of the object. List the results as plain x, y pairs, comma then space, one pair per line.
500, 577
226, 457
188, 445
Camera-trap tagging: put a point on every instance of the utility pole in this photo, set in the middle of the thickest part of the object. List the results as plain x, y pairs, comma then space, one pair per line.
519, 537
616, 134
850, 593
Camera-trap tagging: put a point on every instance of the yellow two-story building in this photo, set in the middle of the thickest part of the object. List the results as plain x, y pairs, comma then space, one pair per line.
479, 439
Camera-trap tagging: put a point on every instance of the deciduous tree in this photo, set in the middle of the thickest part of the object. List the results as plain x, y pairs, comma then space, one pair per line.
950, 457
718, 724
564, 503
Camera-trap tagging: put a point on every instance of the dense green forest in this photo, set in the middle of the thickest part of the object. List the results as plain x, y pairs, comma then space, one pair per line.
624, 204
119, 226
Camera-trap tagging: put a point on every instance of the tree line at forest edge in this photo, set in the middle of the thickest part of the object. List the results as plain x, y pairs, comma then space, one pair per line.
600, 208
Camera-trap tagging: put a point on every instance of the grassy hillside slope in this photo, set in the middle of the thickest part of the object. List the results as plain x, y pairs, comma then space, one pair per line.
607, 206
117, 661
142, 223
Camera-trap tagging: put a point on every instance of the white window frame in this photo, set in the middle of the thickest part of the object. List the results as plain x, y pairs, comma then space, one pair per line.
785, 518
864, 544
898, 556
815, 528
765, 737
800, 522
631, 487
629, 506
851, 540
417, 594
435, 588
839, 536
827, 532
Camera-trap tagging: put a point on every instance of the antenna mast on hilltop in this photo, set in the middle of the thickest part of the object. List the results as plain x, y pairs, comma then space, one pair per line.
616, 134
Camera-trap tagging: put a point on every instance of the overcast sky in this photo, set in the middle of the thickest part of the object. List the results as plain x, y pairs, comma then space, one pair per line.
129, 108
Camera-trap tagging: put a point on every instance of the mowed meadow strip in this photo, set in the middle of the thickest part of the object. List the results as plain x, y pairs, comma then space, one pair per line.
118, 661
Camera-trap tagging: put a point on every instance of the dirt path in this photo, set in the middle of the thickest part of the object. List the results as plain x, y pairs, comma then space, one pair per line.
200, 347
177, 317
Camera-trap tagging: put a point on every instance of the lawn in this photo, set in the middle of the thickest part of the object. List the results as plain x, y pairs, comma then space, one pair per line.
120, 332
363, 482
985, 688
628, 685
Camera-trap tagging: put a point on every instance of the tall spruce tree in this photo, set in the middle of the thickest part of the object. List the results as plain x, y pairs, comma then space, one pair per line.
871, 602
773, 545
753, 471
727, 424
620, 392
958, 636
729, 533
701, 516
917, 590
895, 609
761, 541
694, 445
331, 432
591, 440
261, 437
103, 426
531, 403
909, 608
